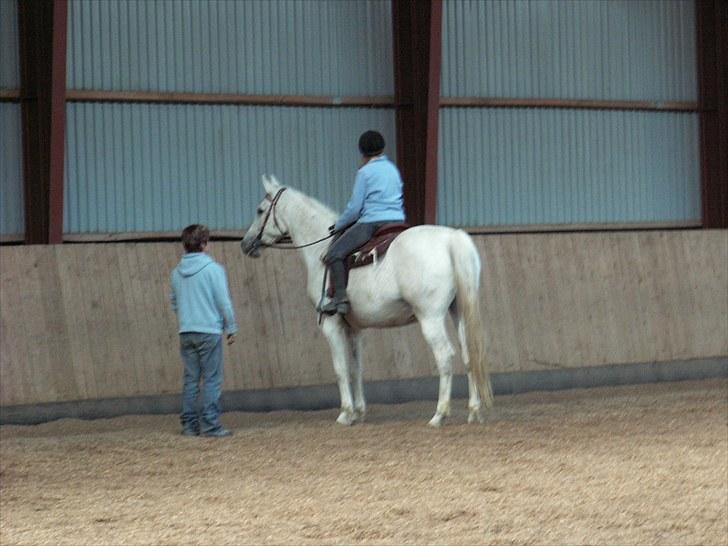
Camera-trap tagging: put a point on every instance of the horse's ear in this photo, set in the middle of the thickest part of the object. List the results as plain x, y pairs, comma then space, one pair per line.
270, 184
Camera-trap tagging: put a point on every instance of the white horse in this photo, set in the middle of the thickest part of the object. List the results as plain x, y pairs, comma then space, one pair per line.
428, 272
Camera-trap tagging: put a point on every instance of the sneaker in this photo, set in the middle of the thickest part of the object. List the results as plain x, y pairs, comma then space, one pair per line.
190, 432
217, 433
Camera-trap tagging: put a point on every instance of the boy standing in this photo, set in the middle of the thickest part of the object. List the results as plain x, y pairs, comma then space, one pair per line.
201, 301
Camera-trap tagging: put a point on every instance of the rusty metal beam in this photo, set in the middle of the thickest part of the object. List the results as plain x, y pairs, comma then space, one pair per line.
711, 19
417, 28
9, 95
85, 95
376, 101
42, 36
573, 104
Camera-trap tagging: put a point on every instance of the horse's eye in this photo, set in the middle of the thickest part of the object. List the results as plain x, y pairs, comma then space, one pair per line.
260, 211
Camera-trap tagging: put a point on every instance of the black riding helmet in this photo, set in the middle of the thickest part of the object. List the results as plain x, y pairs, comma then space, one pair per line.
371, 143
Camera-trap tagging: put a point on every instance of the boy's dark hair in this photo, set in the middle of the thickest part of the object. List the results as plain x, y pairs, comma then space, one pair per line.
194, 237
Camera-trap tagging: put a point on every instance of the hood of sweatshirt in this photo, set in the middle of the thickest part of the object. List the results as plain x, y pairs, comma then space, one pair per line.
193, 263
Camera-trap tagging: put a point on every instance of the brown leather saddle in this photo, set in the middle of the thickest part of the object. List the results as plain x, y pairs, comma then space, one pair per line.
377, 246
372, 250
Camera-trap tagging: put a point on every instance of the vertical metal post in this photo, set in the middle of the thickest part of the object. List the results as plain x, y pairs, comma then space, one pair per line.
417, 62
42, 32
711, 19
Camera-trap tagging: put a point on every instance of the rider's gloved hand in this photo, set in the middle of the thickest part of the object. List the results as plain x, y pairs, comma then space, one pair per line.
332, 229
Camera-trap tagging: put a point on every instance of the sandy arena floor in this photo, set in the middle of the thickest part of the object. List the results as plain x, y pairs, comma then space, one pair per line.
625, 465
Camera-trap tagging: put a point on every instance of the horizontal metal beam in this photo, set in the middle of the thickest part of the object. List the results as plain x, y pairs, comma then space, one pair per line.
580, 228
474, 230
83, 95
583, 104
9, 95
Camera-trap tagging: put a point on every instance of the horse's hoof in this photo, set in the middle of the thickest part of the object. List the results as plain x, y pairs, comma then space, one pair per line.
345, 418
437, 421
360, 416
475, 416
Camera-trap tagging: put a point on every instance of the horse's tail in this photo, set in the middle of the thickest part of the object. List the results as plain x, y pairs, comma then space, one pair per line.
466, 263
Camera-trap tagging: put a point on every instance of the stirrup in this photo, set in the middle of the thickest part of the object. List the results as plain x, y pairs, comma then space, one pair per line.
334, 306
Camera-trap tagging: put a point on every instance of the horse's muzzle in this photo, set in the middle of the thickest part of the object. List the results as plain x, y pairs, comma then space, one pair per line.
251, 248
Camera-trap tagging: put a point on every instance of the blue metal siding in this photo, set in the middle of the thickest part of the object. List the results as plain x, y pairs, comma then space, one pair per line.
282, 47
12, 215
157, 167
590, 49
538, 166
534, 166
9, 58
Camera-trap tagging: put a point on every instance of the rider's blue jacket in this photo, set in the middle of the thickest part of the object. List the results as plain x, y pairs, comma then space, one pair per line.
377, 195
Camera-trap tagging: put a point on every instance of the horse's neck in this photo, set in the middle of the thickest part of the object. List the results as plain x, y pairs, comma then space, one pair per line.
307, 221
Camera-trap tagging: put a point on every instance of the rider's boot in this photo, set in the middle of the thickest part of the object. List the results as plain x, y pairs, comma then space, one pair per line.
339, 303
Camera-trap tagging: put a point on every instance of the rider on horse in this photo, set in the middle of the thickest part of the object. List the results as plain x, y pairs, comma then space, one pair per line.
376, 200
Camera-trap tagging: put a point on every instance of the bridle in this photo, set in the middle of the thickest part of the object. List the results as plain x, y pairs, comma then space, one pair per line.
285, 238
258, 241
259, 238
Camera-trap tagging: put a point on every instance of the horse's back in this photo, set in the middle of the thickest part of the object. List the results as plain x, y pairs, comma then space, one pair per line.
427, 244
421, 264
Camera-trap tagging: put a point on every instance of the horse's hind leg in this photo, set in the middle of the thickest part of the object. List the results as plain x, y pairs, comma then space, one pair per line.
435, 333
474, 402
341, 352
357, 379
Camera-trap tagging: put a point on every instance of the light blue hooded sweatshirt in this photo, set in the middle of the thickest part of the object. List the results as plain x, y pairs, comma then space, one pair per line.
377, 195
200, 296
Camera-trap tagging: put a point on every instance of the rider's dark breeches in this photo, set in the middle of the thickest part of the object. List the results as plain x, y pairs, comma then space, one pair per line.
354, 237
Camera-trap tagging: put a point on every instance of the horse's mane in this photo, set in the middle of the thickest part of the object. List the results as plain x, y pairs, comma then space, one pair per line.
315, 207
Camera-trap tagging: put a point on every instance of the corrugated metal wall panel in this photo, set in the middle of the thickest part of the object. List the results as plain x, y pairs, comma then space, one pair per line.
9, 58
535, 166
12, 215
285, 47
538, 166
157, 167
591, 49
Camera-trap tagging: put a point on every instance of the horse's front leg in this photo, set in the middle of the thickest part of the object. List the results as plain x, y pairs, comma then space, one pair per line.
360, 405
341, 354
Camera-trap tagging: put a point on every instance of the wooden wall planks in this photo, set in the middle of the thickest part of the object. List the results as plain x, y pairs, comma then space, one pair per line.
93, 321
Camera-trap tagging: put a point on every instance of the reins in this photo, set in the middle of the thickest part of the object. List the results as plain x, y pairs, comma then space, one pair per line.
285, 237
259, 240
295, 247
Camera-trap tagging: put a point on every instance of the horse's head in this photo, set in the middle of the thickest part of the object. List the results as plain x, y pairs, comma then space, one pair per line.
268, 227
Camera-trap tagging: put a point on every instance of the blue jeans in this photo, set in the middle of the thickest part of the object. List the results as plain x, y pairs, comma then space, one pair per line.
202, 357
